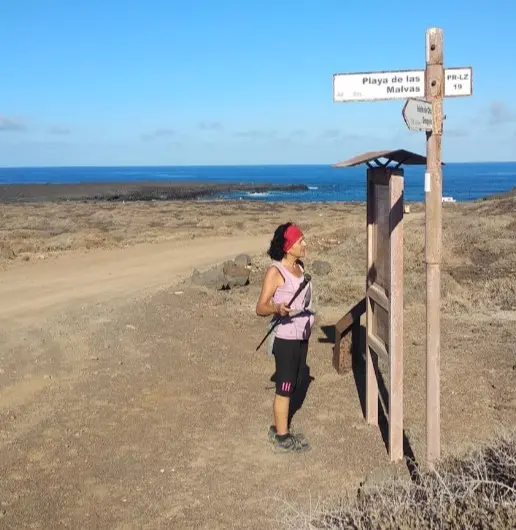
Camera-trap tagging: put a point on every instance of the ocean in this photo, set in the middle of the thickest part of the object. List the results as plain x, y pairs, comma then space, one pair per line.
462, 181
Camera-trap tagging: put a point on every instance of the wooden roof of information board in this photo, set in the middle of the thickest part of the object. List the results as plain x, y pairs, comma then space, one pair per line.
399, 156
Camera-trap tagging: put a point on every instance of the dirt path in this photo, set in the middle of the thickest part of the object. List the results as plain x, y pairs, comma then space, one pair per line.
125, 406
39, 286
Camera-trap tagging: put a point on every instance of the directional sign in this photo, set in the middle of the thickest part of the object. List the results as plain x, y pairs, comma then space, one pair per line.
417, 114
458, 82
397, 84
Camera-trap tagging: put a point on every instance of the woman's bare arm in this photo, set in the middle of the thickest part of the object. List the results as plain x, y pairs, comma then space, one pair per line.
271, 282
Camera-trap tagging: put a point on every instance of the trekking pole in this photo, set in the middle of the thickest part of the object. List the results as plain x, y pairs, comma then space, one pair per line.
303, 284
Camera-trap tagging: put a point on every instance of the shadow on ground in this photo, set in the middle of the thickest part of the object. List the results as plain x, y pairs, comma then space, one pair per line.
359, 373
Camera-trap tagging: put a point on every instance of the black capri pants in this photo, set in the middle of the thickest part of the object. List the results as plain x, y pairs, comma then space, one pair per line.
290, 356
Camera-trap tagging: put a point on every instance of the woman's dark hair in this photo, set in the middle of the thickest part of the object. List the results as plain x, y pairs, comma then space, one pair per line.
276, 251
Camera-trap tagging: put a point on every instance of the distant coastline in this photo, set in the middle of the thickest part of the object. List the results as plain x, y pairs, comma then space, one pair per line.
133, 191
270, 183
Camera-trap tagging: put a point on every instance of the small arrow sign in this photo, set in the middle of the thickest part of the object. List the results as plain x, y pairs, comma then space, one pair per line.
417, 114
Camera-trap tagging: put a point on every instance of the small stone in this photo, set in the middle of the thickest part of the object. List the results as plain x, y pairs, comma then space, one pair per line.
130, 326
178, 292
213, 278
242, 260
235, 275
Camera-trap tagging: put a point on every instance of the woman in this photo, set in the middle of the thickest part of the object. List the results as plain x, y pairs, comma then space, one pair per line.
293, 330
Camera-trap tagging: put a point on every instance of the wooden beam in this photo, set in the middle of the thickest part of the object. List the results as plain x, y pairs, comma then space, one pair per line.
347, 335
379, 296
376, 345
434, 92
352, 316
395, 309
371, 401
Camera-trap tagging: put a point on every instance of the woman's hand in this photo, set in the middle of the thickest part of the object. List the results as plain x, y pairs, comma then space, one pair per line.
283, 309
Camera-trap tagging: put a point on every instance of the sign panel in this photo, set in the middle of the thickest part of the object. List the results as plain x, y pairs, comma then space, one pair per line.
370, 86
397, 84
418, 115
458, 82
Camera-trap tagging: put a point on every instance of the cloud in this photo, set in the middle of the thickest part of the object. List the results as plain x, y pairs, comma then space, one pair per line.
339, 135
58, 130
158, 133
256, 134
455, 133
297, 133
500, 113
210, 126
329, 134
12, 125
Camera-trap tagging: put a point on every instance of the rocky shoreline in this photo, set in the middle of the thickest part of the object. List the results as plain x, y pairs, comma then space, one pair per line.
131, 191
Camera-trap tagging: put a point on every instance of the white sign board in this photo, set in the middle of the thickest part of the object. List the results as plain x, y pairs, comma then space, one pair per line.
397, 84
418, 115
458, 82
370, 86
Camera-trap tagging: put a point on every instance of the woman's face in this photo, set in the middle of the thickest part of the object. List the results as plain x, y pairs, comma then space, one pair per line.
298, 249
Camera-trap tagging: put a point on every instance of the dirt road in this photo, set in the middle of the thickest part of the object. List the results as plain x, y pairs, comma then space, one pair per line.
103, 274
125, 406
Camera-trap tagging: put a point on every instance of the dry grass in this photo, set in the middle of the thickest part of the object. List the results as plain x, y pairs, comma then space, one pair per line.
42, 230
478, 260
475, 490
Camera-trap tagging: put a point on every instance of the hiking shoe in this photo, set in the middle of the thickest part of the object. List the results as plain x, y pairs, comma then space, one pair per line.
289, 445
299, 435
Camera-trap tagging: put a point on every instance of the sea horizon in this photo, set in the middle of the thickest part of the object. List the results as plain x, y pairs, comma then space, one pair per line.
463, 181
268, 164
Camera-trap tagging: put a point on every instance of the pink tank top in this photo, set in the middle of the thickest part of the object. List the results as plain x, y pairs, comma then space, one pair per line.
296, 327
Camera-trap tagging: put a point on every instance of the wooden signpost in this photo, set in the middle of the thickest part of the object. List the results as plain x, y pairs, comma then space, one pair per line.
432, 84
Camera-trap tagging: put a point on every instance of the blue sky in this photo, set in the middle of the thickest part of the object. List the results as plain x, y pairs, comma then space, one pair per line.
157, 82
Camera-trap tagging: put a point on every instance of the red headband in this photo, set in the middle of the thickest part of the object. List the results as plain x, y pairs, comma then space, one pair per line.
292, 234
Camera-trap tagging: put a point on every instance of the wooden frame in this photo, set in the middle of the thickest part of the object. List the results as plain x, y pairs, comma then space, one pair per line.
347, 336
384, 289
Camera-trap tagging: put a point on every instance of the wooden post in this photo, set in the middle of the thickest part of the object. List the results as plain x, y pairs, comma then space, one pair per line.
396, 316
371, 381
434, 92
